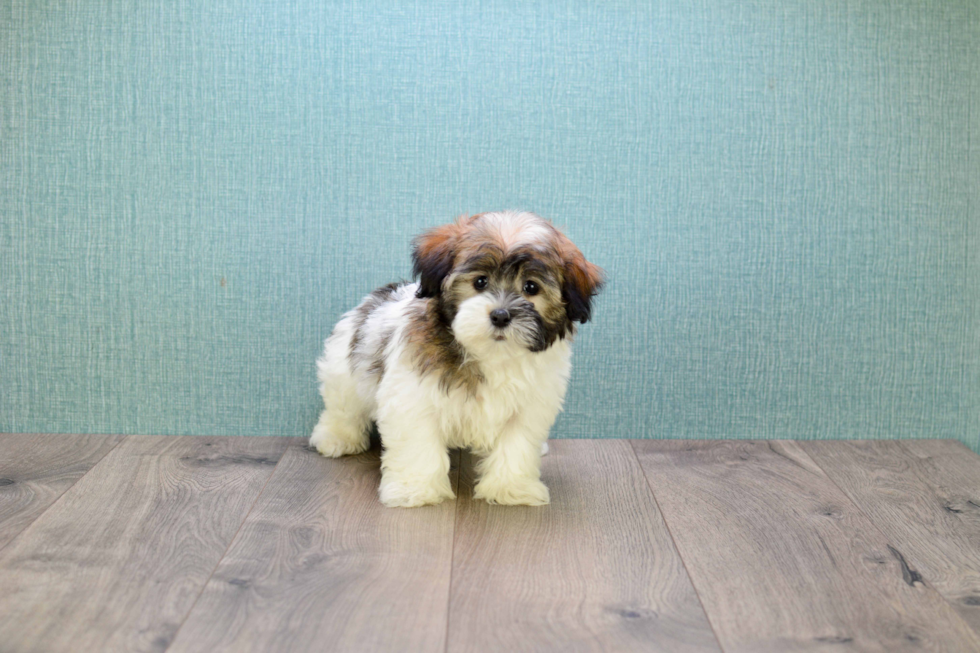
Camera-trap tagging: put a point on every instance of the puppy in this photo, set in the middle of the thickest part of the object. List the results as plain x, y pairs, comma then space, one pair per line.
475, 354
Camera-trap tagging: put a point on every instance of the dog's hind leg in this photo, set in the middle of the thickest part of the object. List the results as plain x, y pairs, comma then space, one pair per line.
344, 425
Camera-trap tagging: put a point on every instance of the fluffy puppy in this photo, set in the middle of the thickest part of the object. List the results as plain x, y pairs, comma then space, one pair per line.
474, 354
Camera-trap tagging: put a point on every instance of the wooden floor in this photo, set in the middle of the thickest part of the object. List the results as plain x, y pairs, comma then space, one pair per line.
258, 544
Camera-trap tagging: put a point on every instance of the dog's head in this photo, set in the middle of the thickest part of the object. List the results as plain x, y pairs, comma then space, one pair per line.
505, 279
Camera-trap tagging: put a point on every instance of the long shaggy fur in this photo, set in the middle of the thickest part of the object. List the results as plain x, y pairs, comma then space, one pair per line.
474, 354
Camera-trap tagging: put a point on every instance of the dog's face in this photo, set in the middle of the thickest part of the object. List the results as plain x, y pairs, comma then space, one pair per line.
505, 281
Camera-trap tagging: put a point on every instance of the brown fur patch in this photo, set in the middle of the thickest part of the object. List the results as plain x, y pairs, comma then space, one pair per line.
582, 280
377, 297
435, 349
377, 366
434, 254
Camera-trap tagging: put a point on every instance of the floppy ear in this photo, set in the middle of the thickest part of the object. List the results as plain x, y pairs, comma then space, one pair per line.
582, 281
433, 256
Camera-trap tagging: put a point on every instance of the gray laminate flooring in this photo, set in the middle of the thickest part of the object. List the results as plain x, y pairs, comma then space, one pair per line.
140, 543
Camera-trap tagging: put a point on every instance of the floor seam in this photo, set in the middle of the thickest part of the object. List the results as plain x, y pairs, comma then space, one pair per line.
248, 514
67, 489
673, 540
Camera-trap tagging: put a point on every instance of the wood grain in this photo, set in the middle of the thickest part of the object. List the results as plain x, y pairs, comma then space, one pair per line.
118, 562
593, 571
924, 495
321, 565
784, 561
37, 469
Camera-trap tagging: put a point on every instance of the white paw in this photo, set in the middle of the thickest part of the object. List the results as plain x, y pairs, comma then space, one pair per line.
544, 448
512, 493
397, 493
333, 446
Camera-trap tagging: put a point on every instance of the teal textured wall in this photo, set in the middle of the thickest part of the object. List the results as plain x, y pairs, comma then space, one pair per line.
785, 196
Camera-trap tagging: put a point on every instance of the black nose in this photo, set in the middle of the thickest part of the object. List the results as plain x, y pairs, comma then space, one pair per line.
500, 317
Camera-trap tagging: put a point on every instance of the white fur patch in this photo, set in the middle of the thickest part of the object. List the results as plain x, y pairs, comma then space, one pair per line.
517, 229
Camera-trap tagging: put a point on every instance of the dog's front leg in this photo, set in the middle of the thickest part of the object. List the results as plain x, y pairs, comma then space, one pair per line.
510, 474
415, 463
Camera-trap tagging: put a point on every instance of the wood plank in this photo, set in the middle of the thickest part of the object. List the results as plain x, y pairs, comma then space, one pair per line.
924, 495
320, 564
36, 469
118, 562
594, 571
783, 561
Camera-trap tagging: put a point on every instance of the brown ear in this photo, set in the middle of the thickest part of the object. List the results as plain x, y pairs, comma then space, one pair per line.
582, 281
433, 256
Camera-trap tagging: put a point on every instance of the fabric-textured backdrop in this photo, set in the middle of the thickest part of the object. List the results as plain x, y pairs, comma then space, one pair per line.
784, 194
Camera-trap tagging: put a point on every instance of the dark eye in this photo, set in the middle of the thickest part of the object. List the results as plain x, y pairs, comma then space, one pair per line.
480, 283
531, 288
